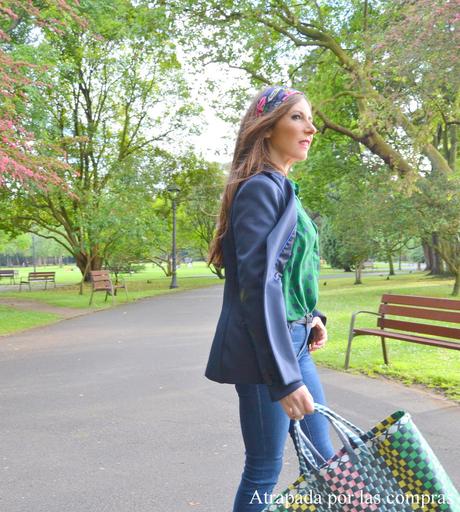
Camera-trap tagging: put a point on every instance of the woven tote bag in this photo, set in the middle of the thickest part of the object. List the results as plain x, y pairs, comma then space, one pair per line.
391, 468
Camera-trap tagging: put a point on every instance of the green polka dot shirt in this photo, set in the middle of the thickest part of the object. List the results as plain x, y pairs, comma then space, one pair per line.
300, 276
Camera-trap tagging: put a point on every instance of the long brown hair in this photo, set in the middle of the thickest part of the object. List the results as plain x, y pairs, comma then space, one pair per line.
250, 157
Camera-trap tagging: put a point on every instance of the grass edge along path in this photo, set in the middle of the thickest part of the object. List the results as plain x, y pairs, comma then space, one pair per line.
17, 320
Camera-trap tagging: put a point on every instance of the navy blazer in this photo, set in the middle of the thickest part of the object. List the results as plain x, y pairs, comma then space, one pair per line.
252, 342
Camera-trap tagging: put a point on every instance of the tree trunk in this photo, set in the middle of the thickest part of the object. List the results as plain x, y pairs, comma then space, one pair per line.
456, 290
358, 269
81, 260
390, 262
427, 252
435, 259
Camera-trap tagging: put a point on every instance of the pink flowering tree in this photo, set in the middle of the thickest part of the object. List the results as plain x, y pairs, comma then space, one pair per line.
22, 159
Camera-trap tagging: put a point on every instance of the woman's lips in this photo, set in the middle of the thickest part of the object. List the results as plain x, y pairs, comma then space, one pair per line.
305, 143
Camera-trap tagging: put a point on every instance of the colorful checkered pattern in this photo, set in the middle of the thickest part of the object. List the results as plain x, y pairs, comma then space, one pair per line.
398, 473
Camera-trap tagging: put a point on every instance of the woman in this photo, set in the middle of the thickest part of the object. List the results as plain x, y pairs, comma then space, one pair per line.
268, 247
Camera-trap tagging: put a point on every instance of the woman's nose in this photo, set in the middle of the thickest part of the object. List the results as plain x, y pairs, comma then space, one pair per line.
311, 129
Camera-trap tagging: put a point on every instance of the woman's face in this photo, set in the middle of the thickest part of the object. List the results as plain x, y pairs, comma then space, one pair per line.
290, 138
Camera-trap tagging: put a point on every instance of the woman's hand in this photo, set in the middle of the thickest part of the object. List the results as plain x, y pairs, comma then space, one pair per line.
298, 403
319, 336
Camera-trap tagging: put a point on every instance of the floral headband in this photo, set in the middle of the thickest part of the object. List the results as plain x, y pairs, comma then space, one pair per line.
272, 97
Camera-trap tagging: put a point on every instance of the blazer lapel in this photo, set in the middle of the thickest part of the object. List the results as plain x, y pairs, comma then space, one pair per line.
281, 238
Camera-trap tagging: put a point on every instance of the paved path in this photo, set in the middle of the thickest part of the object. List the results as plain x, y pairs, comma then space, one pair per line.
111, 412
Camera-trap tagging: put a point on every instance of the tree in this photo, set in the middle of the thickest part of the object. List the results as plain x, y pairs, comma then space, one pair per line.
438, 203
117, 96
201, 188
20, 159
344, 56
331, 40
354, 233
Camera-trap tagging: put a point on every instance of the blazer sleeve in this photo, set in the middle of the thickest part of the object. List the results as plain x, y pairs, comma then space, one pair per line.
256, 210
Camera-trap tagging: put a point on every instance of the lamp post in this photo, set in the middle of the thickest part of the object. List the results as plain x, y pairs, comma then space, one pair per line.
174, 191
33, 253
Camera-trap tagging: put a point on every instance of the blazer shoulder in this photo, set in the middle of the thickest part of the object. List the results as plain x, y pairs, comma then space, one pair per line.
265, 182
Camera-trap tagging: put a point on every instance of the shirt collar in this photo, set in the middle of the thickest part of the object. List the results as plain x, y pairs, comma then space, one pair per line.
295, 185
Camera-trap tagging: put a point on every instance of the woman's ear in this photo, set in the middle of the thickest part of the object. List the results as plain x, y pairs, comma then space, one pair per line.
268, 134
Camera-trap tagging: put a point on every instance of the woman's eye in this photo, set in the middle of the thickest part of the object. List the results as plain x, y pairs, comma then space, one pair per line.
296, 115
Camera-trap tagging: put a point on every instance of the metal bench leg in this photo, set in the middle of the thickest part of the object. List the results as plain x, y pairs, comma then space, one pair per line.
127, 297
350, 338
347, 357
384, 350
91, 298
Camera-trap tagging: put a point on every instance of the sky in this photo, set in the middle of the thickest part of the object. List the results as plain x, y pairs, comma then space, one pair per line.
217, 140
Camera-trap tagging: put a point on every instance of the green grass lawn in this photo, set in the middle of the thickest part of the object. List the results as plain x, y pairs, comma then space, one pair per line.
339, 298
70, 274
16, 320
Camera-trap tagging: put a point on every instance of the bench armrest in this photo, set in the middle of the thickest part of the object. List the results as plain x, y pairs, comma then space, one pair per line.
356, 313
364, 311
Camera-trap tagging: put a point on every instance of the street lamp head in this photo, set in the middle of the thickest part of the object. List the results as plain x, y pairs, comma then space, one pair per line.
173, 190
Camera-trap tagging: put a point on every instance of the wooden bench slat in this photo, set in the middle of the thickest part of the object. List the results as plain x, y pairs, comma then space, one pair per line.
427, 314
435, 330
417, 300
407, 337
105, 285
98, 278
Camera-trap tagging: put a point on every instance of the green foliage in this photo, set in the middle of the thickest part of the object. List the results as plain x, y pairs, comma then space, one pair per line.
112, 95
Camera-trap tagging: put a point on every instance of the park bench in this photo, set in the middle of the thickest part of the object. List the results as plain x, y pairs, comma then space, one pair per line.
406, 307
41, 277
101, 282
9, 274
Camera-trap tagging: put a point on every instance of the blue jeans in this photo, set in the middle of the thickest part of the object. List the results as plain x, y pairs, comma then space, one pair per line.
265, 426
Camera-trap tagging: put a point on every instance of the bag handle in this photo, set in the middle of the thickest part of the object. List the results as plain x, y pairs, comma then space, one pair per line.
353, 434
306, 450
323, 409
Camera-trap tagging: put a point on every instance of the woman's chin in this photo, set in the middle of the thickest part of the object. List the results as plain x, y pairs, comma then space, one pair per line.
303, 156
